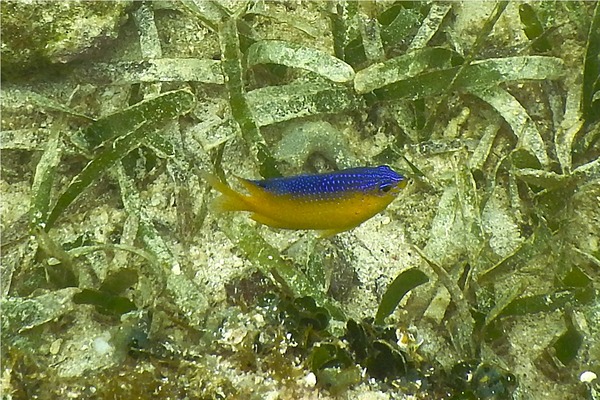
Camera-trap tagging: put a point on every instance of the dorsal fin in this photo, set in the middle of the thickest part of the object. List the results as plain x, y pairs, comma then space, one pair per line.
251, 186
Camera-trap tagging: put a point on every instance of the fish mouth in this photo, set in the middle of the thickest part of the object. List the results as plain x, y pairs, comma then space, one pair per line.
397, 188
402, 184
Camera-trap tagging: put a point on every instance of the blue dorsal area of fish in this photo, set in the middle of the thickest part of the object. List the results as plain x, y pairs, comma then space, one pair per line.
334, 184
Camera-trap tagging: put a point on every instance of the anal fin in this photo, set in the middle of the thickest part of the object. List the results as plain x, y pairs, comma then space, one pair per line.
267, 221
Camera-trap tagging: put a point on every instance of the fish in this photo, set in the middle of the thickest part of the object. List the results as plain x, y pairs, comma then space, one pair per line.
330, 202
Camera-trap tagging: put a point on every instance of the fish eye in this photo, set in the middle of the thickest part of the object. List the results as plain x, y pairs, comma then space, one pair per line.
385, 187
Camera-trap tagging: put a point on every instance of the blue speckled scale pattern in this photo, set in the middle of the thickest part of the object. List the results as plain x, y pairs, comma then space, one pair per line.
334, 184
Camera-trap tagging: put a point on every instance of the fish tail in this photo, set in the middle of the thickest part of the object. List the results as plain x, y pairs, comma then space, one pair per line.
230, 200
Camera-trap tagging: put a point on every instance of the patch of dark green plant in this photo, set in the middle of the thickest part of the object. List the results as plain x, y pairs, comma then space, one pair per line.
533, 28
475, 380
402, 284
362, 343
566, 347
375, 348
398, 23
108, 298
558, 357
105, 303
574, 277
306, 321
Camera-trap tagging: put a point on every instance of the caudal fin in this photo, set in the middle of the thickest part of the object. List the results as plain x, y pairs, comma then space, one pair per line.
230, 200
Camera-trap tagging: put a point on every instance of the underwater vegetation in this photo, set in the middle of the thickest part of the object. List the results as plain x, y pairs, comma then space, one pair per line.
479, 281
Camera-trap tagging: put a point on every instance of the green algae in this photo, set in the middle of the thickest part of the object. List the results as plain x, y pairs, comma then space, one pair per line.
533, 28
128, 129
155, 70
530, 139
240, 109
476, 76
402, 284
20, 314
589, 93
501, 145
275, 104
109, 297
547, 302
293, 55
44, 178
37, 34
370, 35
400, 68
151, 112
